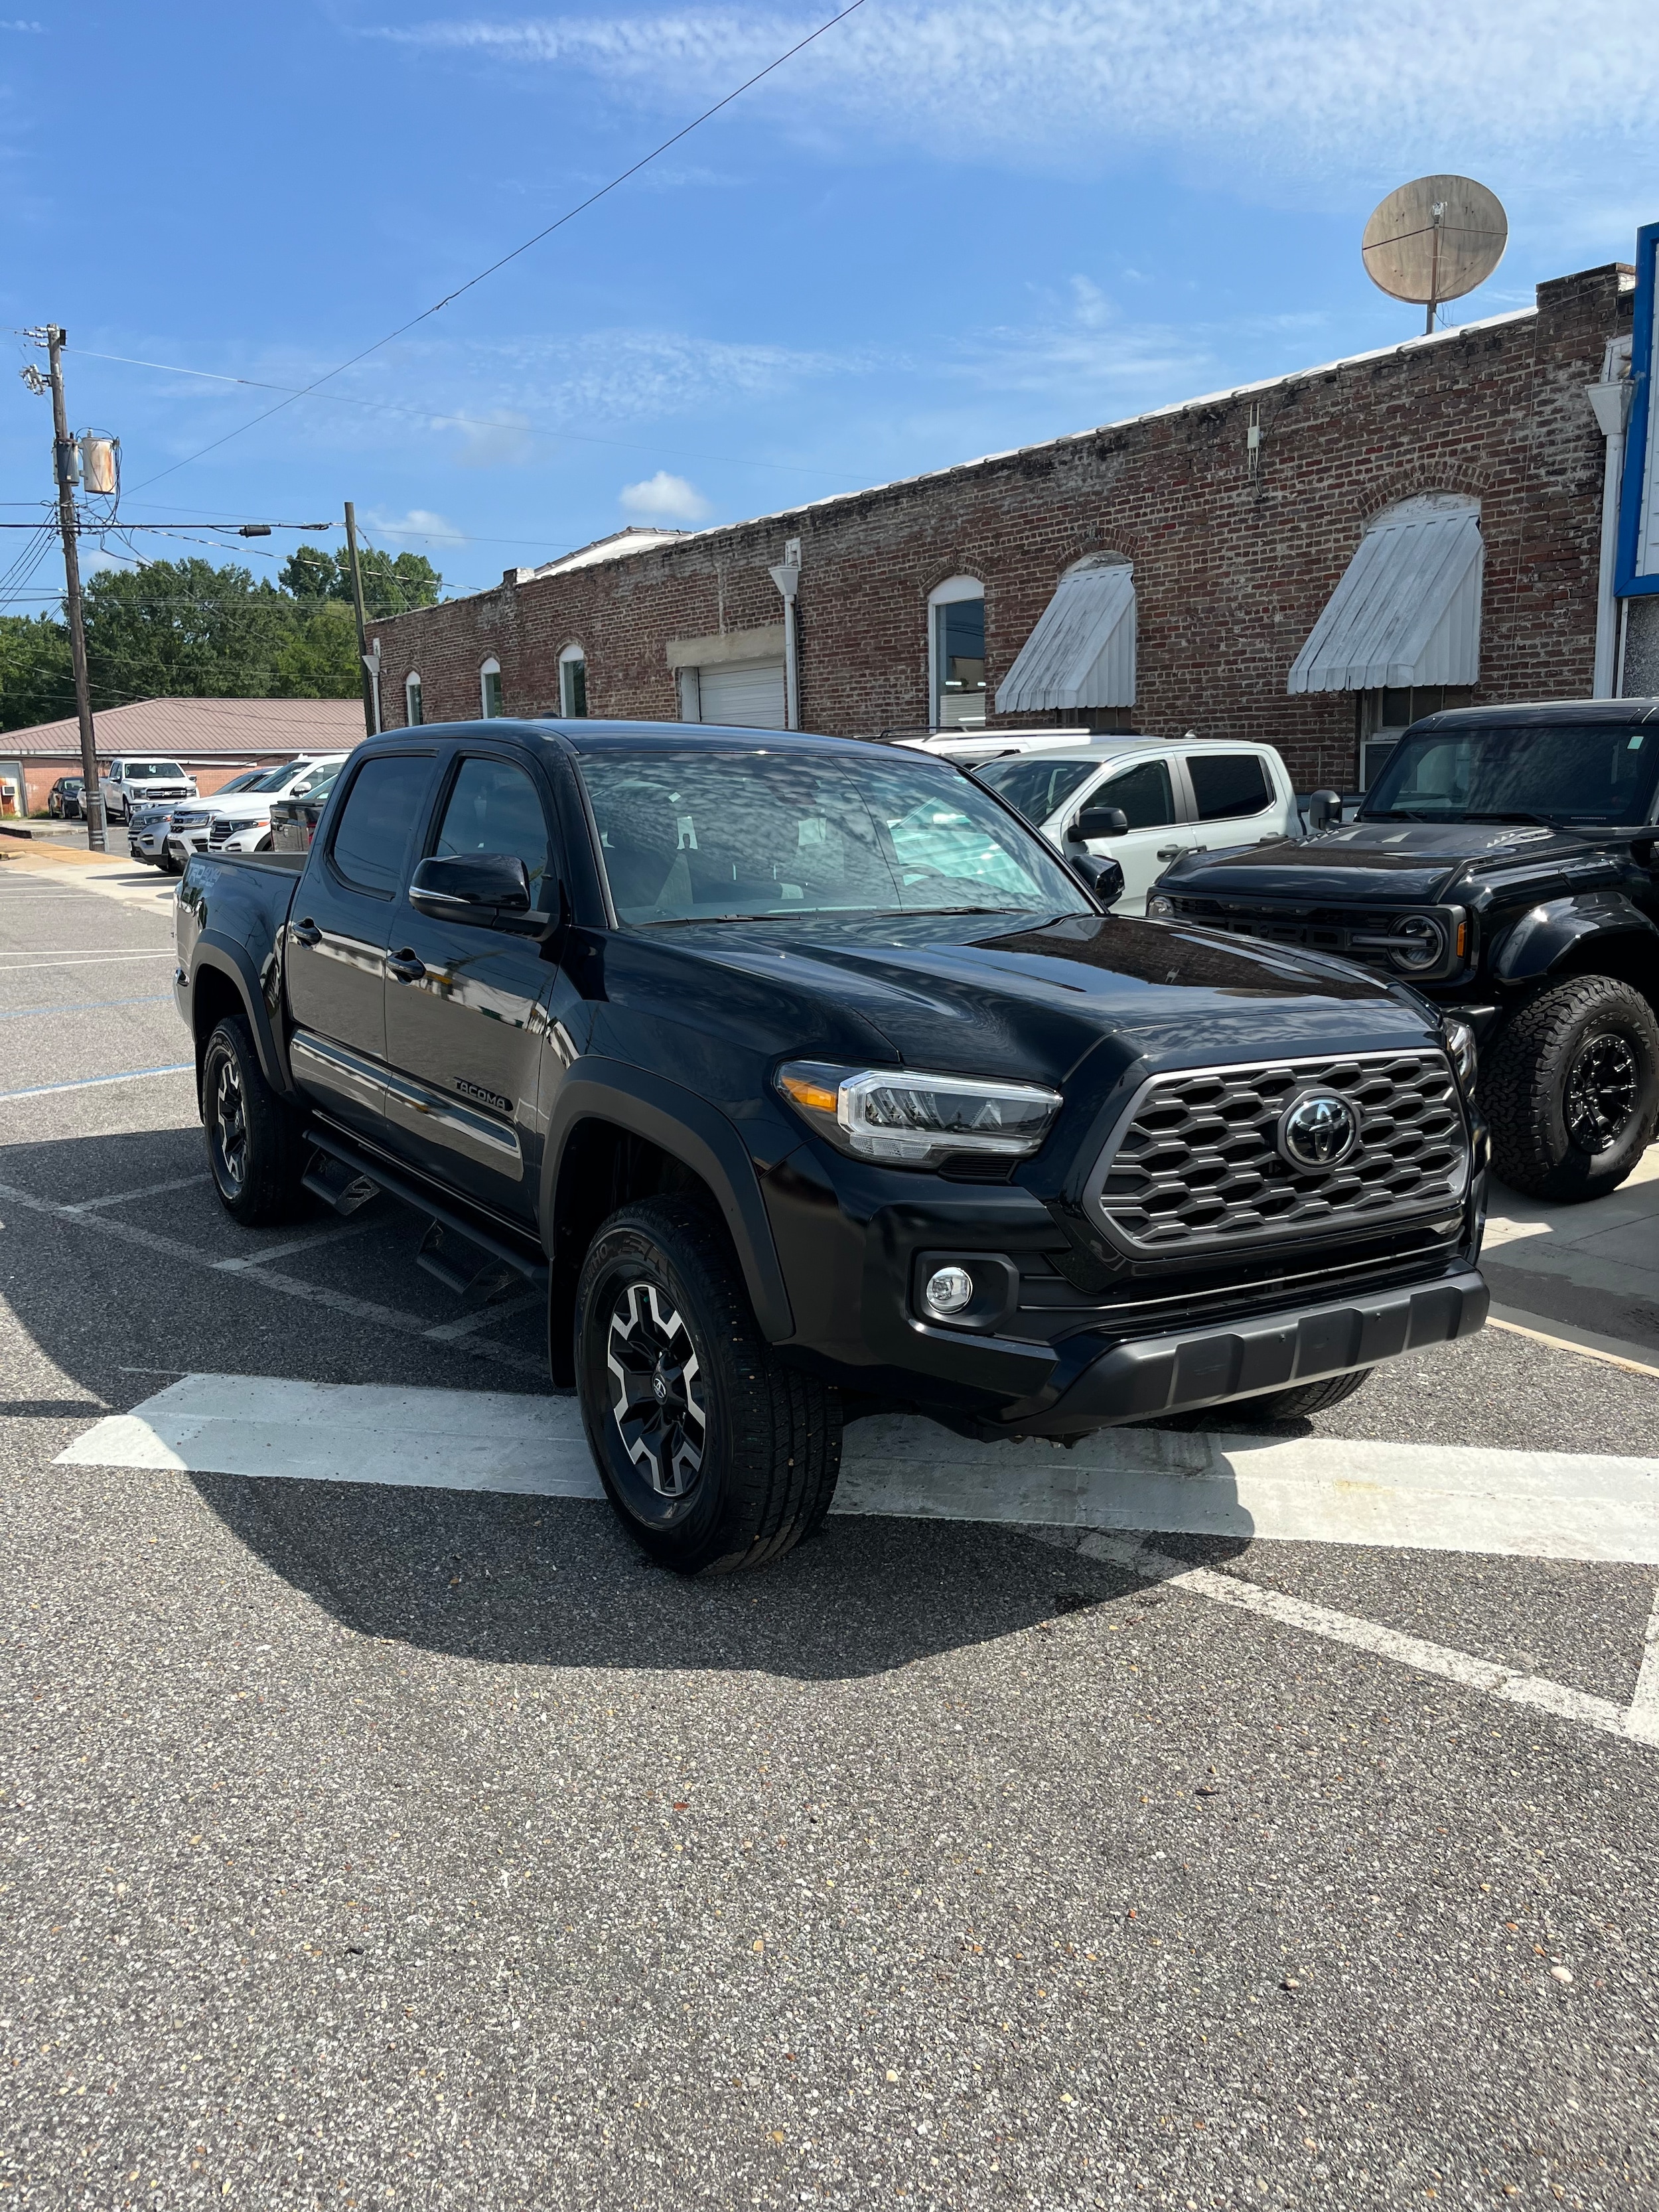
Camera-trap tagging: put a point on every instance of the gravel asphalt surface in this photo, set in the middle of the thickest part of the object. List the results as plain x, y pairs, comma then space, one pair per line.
372, 1846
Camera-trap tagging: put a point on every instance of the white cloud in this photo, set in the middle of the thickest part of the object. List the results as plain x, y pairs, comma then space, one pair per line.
1304, 85
663, 498
420, 526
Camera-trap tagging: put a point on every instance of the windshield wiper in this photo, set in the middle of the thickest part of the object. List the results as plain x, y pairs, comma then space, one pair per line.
1539, 821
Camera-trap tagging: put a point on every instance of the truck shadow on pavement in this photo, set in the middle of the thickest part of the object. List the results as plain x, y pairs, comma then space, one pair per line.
553, 1582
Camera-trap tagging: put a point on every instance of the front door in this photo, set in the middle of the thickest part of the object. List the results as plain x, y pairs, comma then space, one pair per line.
1144, 791
475, 1034
339, 931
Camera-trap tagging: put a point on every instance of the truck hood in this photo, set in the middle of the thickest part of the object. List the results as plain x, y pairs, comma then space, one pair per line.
956, 994
1391, 863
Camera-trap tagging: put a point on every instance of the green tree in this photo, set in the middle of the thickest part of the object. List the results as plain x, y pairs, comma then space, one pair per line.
37, 683
184, 630
319, 660
392, 583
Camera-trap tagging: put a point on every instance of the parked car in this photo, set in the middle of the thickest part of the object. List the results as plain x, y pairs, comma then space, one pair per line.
1168, 799
294, 820
133, 781
242, 822
67, 800
1501, 864
805, 1077
150, 827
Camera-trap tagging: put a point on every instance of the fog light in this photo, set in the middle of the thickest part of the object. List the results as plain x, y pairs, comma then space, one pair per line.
947, 1291
1160, 908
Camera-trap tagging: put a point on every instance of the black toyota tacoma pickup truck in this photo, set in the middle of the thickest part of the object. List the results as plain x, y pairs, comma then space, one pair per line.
807, 1079
1502, 863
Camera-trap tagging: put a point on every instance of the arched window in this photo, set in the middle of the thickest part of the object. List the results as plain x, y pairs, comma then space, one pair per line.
490, 689
414, 713
572, 682
955, 654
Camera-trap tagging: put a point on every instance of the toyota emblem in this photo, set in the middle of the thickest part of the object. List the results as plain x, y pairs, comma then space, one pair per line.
1318, 1130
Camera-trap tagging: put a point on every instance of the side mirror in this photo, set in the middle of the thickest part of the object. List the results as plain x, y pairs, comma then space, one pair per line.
1099, 822
1103, 877
485, 888
1324, 808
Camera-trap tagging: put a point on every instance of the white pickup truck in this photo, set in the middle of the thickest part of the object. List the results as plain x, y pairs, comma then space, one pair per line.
133, 781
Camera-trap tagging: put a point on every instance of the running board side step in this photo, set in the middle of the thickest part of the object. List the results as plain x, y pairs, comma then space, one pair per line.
337, 1186
439, 1248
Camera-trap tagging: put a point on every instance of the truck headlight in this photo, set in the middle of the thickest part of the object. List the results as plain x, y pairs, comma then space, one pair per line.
914, 1119
1418, 943
1462, 1052
1162, 909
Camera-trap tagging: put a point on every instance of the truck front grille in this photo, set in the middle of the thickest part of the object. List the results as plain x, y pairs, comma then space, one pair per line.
1423, 943
1196, 1165
220, 830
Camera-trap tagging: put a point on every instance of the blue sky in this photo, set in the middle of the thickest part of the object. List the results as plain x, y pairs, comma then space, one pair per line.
943, 230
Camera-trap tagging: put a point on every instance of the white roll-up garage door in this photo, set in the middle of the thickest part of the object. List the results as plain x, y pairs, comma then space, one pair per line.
748, 694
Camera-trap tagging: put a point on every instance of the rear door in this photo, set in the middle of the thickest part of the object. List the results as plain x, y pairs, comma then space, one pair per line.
340, 932
470, 1010
1234, 798
1145, 788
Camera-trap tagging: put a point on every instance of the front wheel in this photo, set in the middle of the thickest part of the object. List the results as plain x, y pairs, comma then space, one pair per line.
1571, 1089
714, 1454
254, 1152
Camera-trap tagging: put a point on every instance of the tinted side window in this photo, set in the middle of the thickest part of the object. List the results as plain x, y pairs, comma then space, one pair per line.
494, 808
1144, 792
373, 832
1226, 784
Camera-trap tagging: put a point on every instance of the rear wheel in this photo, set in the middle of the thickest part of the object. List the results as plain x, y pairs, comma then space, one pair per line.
714, 1456
254, 1151
1571, 1089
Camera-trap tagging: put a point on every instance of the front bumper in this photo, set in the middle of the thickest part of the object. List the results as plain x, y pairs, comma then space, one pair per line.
1154, 1375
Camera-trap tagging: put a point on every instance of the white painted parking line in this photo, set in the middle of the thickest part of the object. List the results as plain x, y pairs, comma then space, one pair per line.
85, 1005
1558, 1505
1645, 1704
450, 1332
97, 1082
27, 964
1637, 1723
333, 1236
126, 1197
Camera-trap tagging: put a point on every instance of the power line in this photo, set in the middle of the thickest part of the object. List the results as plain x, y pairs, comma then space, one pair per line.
569, 215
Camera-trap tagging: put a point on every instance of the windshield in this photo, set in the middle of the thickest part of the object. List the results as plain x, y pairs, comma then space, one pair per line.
250, 780
314, 786
697, 836
1561, 771
147, 771
1033, 786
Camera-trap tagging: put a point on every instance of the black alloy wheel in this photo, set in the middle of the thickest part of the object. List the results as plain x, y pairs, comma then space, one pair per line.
255, 1154
1604, 1088
656, 1406
1571, 1089
713, 1454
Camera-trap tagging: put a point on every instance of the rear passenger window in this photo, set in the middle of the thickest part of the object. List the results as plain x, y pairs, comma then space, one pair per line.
372, 833
494, 808
1143, 791
1227, 785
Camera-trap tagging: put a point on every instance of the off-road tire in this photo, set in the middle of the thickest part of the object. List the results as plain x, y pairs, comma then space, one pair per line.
1295, 1403
255, 1153
768, 1436
1525, 1082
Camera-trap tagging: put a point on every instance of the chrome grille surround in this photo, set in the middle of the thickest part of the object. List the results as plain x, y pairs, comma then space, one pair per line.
1193, 1166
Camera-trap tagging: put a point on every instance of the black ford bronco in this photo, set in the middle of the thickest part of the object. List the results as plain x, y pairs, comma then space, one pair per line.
807, 1080
1503, 864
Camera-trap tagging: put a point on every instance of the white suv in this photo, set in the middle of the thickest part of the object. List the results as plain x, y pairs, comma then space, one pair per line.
242, 823
1174, 795
133, 781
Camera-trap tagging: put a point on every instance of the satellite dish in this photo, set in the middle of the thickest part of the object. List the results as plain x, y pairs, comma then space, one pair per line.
1435, 239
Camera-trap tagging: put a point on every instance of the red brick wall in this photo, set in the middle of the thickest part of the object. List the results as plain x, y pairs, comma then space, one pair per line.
1231, 572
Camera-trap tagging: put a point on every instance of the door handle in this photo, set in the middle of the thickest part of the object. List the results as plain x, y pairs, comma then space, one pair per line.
405, 967
305, 932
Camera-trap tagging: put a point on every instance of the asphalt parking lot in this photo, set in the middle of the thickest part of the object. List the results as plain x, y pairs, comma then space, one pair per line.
1180, 1821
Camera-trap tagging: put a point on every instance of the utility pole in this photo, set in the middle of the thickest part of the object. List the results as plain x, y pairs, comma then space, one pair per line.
371, 719
64, 454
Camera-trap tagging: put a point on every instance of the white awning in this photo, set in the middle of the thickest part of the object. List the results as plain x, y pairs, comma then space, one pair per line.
1407, 612
1082, 652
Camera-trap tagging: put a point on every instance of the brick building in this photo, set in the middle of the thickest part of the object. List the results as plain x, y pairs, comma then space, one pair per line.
1309, 560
